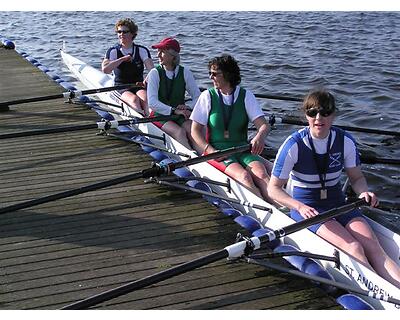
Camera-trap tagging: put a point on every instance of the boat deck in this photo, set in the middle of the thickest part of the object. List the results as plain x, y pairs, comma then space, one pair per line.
57, 253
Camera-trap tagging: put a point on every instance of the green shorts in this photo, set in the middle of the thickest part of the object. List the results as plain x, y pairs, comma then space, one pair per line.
159, 124
244, 158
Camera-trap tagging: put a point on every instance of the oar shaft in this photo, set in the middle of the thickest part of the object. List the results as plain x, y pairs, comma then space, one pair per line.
214, 195
70, 193
235, 250
303, 224
135, 285
67, 95
292, 120
211, 156
48, 131
117, 136
277, 97
271, 96
105, 125
206, 180
365, 158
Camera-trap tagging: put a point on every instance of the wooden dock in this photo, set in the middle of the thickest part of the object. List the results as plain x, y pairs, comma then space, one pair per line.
63, 251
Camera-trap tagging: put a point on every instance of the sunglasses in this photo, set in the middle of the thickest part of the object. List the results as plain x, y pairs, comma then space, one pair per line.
122, 31
312, 112
213, 73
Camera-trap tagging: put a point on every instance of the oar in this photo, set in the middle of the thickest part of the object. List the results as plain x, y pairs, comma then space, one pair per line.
155, 171
291, 120
350, 288
67, 95
168, 150
366, 159
209, 194
296, 121
271, 96
103, 125
177, 179
233, 251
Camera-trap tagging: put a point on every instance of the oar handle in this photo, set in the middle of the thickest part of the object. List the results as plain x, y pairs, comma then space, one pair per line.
303, 224
222, 153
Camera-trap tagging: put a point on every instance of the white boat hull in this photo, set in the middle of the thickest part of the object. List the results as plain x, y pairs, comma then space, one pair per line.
350, 271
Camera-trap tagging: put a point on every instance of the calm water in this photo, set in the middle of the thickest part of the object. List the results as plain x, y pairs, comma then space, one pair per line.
355, 55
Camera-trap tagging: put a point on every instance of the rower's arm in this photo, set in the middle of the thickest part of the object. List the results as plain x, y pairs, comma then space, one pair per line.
258, 141
197, 131
262, 126
278, 194
360, 186
107, 66
148, 63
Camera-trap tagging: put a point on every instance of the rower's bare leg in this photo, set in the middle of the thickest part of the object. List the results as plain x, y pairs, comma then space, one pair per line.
378, 258
176, 132
237, 172
335, 233
142, 94
132, 100
260, 177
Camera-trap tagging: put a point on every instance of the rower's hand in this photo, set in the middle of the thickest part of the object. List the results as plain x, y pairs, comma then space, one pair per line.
370, 198
181, 107
307, 212
126, 58
183, 110
141, 84
211, 149
257, 144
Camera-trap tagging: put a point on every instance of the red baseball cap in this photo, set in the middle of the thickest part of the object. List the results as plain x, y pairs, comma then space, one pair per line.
168, 43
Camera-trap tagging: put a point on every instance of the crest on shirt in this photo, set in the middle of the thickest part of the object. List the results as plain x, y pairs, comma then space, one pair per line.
334, 160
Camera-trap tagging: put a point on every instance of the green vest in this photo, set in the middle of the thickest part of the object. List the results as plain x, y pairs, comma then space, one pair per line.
171, 92
238, 124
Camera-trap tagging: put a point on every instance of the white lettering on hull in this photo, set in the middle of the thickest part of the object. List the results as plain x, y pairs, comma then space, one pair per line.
365, 282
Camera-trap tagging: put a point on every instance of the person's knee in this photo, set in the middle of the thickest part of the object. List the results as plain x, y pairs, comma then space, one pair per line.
246, 178
181, 134
259, 172
356, 249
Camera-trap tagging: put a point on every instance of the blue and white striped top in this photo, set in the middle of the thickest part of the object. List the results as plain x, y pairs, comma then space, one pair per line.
295, 162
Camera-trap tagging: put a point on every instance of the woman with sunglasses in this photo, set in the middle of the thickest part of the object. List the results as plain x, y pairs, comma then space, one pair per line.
127, 61
167, 85
220, 120
310, 163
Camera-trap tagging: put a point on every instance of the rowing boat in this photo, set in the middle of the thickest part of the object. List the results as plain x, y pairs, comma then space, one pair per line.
349, 270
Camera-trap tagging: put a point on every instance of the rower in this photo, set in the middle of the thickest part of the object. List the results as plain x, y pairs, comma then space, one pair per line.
310, 163
225, 110
166, 88
127, 61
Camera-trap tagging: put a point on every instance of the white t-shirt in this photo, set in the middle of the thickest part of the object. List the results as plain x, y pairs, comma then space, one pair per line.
202, 108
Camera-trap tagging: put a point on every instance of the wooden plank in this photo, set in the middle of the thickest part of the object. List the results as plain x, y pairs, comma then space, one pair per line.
58, 252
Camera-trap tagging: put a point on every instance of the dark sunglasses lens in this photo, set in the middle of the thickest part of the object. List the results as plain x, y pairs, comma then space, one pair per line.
312, 112
323, 112
123, 31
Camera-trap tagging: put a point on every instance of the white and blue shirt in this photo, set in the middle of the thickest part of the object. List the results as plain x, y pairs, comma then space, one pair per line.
296, 162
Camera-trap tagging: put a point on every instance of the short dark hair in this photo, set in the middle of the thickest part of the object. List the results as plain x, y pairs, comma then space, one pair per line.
229, 68
319, 98
130, 24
